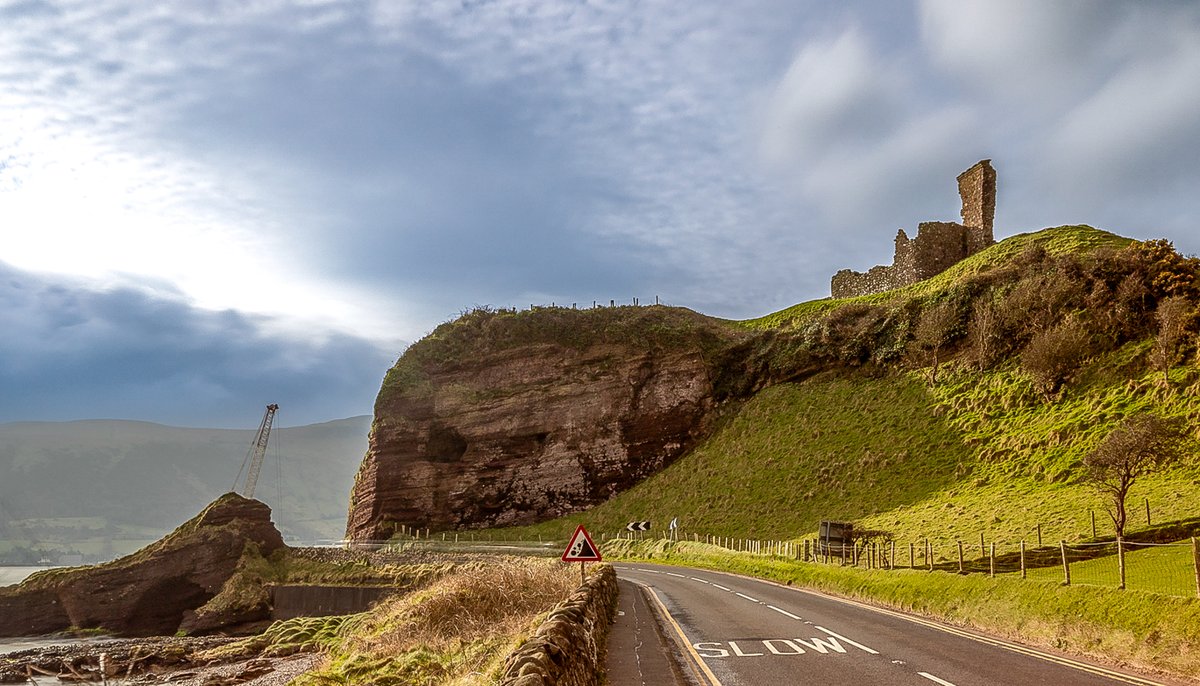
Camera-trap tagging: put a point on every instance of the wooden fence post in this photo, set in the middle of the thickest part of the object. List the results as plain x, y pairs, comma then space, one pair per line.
1022, 558
1093, 513
1196, 563
992, 561
892, 557
1121, 561
1147, 512
1062, 545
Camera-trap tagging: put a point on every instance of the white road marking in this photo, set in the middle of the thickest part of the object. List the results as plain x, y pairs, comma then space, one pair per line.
700, 580
783, 612
853, 643
722, 587
738, 651
678, 575
753, 600
934, 679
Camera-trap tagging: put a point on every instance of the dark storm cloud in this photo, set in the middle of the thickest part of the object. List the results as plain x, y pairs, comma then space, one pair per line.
71, 352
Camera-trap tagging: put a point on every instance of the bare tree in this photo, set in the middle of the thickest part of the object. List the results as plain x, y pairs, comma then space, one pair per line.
985, 332
1173, 316
1053, 356
1139, 445
934, 329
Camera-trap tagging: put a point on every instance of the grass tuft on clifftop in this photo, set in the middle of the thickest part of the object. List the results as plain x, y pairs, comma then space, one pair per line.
483, 332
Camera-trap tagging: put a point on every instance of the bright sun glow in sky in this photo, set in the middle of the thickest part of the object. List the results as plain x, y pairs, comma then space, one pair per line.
265, 198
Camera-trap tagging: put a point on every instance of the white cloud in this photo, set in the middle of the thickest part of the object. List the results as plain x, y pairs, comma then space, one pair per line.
1018, 51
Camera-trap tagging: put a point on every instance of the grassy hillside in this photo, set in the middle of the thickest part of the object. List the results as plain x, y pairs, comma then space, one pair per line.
104, 488
984, 448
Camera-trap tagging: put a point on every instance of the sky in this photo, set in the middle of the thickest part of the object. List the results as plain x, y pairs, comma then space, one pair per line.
210, 206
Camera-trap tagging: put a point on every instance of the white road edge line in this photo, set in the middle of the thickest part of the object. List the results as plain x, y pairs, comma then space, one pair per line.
934, 679
722, 587
783, 612
856, 644
753, 600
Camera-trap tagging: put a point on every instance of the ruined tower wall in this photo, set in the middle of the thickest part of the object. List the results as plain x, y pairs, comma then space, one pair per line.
937, 245
977, 188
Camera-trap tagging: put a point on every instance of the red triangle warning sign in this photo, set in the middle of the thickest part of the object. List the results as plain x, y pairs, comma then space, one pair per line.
581, 548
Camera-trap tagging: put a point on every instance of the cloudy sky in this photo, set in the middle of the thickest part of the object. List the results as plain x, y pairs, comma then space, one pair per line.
209, 206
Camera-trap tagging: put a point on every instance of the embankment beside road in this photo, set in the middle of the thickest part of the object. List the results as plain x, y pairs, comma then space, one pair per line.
568, 648
1142, 630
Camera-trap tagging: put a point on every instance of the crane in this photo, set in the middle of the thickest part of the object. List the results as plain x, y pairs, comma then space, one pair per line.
258, 450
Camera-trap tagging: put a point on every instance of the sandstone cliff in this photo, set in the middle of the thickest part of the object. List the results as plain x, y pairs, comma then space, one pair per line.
157, 590
507, 418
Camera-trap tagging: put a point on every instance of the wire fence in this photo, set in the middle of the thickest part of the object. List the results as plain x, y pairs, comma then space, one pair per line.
1171, 568
1165, 568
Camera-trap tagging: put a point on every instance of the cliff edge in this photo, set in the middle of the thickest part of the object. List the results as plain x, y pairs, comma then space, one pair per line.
506, 418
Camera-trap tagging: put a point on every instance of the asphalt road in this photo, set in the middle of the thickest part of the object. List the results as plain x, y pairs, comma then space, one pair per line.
734, 631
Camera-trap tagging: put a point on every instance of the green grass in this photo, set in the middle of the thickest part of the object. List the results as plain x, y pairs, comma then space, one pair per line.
1165, 569
1146, 630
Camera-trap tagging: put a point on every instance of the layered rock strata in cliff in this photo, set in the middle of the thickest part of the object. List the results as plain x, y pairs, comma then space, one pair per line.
154, 591
512, 418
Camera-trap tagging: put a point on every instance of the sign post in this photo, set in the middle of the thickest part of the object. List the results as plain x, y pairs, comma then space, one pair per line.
581, 549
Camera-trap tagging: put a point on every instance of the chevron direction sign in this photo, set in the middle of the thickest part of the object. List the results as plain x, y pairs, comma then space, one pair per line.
638, 526
581, 548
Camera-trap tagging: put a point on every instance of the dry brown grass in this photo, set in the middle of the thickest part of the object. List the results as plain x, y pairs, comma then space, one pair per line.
455, 631
478, 602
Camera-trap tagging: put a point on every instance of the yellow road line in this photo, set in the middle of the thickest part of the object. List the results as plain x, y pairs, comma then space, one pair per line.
697, 660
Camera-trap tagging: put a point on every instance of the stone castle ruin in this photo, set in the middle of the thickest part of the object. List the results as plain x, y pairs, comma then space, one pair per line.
937, 245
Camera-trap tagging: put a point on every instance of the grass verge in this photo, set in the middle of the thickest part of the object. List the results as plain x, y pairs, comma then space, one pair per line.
1145, 631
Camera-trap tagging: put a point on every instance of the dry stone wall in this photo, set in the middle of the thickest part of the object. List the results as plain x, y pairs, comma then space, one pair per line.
568, 648
937, 245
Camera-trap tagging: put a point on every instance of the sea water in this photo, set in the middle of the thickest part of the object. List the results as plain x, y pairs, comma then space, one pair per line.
15, 575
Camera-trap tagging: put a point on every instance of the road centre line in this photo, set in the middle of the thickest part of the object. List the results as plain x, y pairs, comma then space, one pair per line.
783, 612
678, 575
722, 587
934, 679
848, 641
753, 600
695, 579
696, 660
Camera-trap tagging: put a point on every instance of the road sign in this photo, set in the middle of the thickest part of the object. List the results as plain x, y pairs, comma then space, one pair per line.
581, 548
638, 526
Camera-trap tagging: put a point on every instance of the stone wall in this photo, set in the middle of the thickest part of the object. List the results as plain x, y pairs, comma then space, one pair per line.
568, 648
937, 245
977, 188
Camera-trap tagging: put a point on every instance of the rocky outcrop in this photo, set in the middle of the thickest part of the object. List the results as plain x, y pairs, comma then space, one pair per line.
156, 590
506, 418
568, 648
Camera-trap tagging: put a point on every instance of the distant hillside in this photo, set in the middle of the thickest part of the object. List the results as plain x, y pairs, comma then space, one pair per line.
105, 487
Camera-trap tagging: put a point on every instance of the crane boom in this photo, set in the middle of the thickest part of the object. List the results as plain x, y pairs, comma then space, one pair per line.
258, 450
